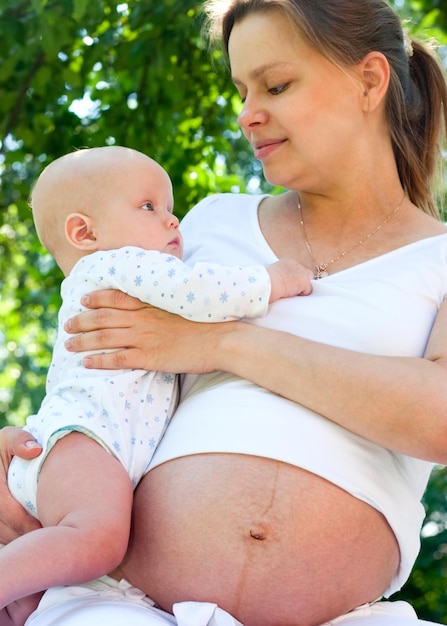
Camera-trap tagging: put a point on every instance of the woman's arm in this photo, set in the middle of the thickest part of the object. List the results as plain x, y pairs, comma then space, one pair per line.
399, 403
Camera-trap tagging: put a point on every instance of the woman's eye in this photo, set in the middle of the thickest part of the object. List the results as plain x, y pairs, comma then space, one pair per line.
148, 206
277, 89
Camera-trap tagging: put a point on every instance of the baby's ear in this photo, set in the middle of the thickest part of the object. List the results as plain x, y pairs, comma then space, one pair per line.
79, 231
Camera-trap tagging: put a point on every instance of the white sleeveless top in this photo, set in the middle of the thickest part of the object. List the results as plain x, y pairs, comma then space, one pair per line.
385, 306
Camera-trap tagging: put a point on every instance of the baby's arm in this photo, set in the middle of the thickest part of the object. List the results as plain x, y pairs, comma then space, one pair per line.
289, 278
84, 501
204, 292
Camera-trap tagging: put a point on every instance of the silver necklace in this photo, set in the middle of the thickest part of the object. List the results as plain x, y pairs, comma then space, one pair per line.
321, 269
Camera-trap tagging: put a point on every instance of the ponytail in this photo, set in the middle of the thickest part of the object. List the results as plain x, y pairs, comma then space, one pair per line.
345, 31
417, 117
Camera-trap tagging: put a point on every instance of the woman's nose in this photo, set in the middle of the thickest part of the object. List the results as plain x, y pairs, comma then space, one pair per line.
251, 115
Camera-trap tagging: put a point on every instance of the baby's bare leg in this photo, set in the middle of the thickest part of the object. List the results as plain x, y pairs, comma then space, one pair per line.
84, 502
17, 613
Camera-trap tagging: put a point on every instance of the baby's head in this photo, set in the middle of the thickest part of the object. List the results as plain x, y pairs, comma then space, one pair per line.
102, 199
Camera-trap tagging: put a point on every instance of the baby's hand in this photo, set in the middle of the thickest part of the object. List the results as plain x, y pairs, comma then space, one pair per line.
289, 278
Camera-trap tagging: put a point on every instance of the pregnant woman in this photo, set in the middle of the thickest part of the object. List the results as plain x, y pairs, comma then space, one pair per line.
287, 488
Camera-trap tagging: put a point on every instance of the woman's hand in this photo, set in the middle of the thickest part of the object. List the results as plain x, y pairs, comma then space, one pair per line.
141, 336
14, 521
402, 401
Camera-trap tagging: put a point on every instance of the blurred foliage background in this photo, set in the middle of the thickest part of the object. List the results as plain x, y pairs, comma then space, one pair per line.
76, 73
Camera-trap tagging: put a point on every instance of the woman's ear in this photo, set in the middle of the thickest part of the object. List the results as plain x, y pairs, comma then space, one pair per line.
79, 232
375, 78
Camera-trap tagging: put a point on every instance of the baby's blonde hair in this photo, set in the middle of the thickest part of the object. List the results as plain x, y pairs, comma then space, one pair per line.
77, 182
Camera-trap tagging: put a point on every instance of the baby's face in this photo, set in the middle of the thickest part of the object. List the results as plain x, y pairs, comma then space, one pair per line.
139, 210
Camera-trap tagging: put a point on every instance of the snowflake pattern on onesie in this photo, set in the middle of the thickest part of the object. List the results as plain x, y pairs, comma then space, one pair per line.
127, 411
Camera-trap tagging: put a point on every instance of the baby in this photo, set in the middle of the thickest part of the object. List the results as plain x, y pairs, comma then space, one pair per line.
106, 215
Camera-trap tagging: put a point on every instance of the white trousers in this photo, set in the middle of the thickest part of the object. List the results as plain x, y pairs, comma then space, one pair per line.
106, 601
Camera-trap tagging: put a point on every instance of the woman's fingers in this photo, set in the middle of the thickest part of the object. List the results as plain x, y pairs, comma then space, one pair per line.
139, 336
132, 358
149, 339
16, 441
110, 299
14, 521
130, 335
99, 319
108, 308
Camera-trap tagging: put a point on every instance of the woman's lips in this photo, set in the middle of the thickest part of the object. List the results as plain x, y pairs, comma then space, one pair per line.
263, 149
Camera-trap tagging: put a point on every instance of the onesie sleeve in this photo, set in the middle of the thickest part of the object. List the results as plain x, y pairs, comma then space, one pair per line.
205, 292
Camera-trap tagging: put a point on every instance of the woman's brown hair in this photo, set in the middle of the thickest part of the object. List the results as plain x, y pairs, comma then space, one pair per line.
345, 31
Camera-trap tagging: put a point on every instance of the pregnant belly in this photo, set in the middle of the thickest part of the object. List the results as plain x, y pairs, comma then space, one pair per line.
270, 543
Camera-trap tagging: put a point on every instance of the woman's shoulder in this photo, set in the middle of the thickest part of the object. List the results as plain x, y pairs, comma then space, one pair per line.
219, 201
220, 222
221, 210
424, 225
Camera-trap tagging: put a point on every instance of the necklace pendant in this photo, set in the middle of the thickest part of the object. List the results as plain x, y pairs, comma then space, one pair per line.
321, 271
321, 268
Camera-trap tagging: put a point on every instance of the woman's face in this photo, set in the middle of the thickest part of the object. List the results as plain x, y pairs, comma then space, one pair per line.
302, 114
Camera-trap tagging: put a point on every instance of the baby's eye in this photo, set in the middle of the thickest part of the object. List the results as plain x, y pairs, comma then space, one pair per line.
148, 206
